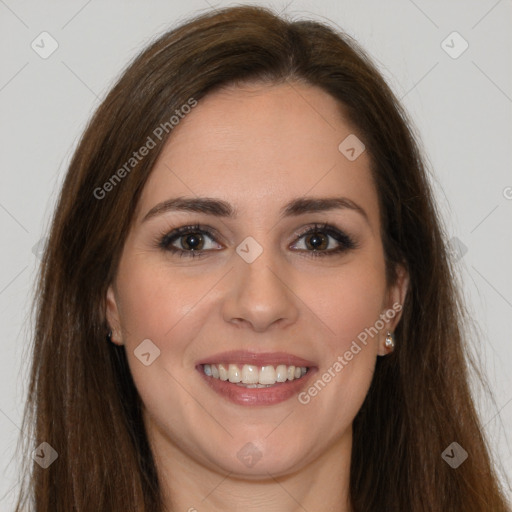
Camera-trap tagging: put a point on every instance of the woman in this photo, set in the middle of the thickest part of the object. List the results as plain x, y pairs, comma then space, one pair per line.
184, 358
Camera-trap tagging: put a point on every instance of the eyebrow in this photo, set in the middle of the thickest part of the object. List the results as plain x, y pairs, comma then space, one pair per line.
220, 208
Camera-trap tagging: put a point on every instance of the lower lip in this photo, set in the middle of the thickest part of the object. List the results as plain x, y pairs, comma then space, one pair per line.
257, 396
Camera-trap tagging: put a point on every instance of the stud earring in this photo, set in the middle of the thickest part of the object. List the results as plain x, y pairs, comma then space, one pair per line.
390, 340
109, 336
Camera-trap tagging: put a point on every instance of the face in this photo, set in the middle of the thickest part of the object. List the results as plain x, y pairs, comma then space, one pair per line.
260, 278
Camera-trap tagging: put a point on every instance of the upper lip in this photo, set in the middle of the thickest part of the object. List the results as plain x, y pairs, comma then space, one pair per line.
256, 358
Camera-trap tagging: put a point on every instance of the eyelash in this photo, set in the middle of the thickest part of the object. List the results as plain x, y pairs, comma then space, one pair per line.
164, 241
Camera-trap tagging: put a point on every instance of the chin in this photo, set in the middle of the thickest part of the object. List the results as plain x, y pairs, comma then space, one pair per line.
258, 458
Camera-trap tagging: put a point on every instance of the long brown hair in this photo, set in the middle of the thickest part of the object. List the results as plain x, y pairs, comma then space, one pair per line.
82, 400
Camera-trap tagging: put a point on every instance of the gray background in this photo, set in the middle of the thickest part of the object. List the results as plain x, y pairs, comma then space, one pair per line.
461, 107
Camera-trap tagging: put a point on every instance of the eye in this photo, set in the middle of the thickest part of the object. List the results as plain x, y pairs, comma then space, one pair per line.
317, 240
190, 241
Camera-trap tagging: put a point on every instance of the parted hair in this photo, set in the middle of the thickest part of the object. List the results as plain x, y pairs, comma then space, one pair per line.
81, 397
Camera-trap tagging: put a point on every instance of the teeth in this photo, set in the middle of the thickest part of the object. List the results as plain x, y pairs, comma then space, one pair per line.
267, 375
223, 372
254, 385
282, 373
251, 376
234, 374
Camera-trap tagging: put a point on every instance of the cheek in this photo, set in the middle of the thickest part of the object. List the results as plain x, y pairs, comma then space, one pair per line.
159, 305
168, 306
349, 304
155, 299
350, 300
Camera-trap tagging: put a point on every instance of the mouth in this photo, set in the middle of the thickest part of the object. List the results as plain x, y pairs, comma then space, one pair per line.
251, 376
256, 379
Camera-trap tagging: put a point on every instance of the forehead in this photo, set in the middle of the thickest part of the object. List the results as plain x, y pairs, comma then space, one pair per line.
258, 146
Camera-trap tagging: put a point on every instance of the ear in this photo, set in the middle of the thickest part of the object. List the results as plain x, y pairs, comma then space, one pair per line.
112, 315
393, 306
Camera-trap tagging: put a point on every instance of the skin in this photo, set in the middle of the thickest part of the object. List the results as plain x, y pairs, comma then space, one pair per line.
256, 147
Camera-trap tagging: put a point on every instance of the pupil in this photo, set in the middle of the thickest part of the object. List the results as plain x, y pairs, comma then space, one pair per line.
192, 240
316, 241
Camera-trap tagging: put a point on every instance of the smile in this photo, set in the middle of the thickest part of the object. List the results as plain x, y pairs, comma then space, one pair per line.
252, 376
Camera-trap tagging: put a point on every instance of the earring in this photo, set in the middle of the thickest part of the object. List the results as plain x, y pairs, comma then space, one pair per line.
390, 340
109, 336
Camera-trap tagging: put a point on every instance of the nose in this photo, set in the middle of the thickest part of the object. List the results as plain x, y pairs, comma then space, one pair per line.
260, 294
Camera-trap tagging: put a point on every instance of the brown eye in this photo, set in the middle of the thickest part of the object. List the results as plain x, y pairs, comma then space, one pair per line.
187, 241
317, 241
192, 241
